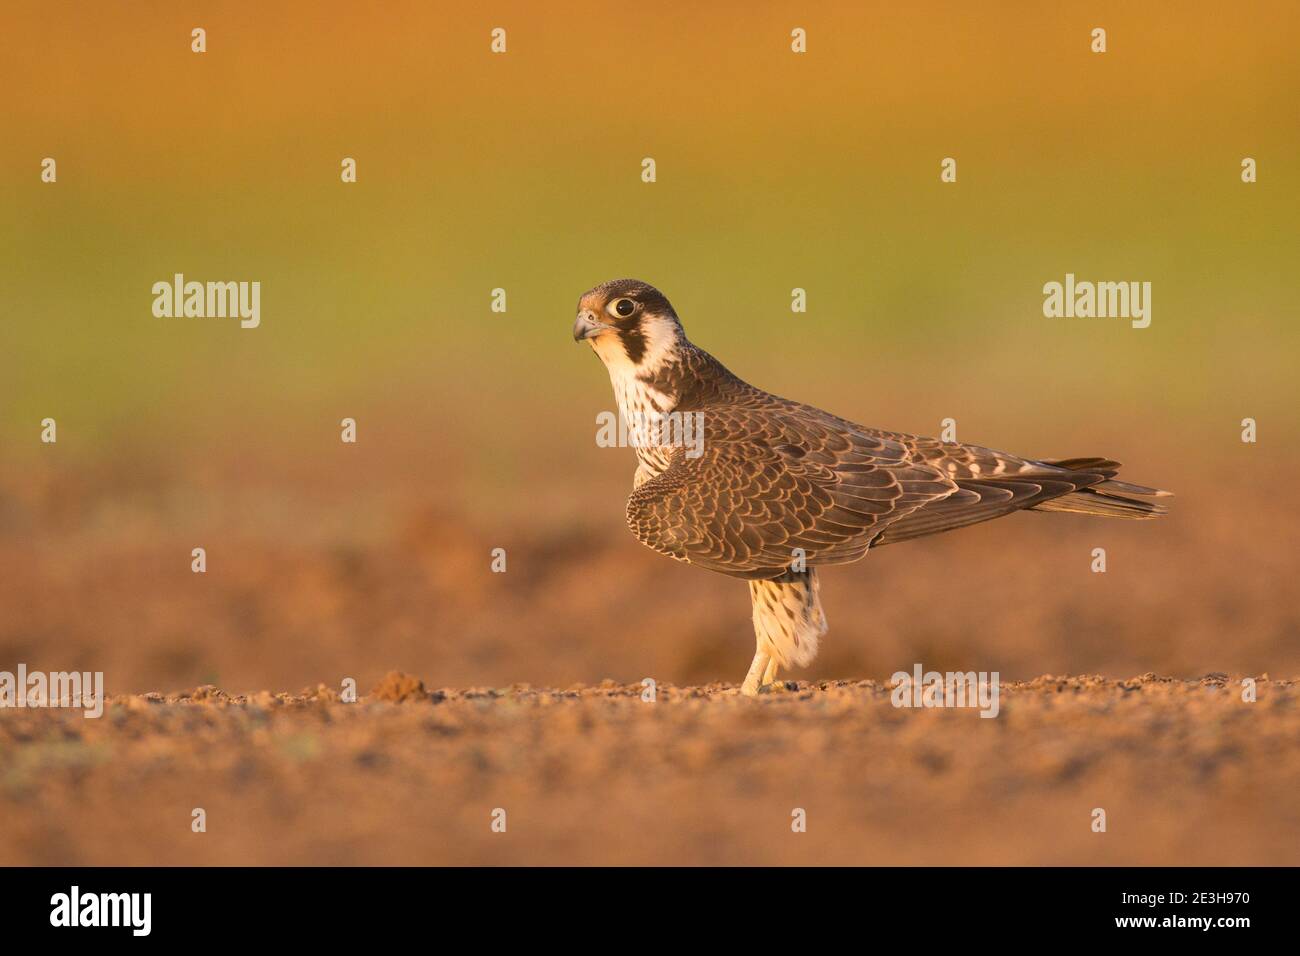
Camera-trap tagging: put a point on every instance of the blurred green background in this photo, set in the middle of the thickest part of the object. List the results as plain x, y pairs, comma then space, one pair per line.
521, 171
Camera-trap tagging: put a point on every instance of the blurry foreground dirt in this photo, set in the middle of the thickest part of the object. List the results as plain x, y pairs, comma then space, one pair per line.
1186, 772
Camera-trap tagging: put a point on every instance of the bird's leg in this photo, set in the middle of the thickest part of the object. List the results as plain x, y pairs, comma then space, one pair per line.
769, 675
757, 672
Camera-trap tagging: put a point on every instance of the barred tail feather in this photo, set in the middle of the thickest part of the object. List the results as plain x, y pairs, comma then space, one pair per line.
1097, 501
1111, 498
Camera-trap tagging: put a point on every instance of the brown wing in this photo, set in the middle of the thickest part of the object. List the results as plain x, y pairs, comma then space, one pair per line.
994, 483
776, 478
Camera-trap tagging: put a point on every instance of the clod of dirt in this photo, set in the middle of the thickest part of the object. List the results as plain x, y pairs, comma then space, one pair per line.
397, 687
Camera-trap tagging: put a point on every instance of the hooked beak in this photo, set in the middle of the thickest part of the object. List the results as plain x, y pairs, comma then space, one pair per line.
586, 325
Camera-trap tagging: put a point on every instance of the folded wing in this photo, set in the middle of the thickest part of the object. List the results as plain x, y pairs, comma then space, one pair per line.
766, 485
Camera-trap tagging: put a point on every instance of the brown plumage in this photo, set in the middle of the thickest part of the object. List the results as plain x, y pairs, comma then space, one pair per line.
777, 488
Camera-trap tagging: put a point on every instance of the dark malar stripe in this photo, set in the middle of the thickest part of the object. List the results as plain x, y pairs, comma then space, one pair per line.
633, 339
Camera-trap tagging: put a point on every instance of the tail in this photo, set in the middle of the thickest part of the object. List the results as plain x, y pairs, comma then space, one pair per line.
1110, 497
788, 616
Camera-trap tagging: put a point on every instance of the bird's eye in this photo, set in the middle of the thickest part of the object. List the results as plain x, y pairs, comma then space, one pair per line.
622, 307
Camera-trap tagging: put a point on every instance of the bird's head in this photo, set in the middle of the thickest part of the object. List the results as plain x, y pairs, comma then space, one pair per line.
628, 322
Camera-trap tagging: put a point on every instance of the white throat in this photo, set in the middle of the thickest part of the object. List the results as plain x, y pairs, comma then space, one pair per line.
641, 404
634, 396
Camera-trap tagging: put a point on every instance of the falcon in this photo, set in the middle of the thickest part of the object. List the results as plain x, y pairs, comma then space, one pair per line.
777, 489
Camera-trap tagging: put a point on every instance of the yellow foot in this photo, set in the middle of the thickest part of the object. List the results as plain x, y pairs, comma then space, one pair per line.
757, 675
762, 678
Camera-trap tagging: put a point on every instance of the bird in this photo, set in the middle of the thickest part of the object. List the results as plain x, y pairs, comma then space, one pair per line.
768, 490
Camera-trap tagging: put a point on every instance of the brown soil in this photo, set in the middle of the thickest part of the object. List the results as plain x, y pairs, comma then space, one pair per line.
1186, 771
332, 568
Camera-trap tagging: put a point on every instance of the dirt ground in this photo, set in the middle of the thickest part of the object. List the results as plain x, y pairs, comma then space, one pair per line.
1186, 772
316, 575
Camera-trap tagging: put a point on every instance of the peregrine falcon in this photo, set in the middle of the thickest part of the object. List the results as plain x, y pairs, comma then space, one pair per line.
777, 489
